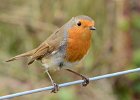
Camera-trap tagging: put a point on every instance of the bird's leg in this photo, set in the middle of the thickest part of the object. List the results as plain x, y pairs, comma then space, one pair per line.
56, 87
86, 80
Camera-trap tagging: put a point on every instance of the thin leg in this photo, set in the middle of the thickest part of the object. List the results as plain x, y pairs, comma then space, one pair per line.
56, 87
86, 80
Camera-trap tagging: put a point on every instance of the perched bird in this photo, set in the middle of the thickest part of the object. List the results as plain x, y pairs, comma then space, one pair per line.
64, 48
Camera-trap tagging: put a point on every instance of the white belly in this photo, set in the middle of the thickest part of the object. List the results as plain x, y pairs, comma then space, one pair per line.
53, 62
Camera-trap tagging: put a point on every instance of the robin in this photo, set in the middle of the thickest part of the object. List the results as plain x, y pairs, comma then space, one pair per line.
64, 48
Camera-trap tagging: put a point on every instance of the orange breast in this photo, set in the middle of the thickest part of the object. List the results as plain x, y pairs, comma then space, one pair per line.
78, 44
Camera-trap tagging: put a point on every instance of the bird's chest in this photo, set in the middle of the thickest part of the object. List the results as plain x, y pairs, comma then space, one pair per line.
76, 49
78, 44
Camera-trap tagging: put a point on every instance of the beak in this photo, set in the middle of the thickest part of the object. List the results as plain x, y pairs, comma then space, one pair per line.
92, 28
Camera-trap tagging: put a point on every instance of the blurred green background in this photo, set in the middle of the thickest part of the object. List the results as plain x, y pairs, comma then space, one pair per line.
24, 24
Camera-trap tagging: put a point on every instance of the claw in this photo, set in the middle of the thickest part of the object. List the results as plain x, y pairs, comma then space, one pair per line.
55, 89
86, 81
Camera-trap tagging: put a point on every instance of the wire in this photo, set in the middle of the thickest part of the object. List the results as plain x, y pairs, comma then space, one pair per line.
69, 83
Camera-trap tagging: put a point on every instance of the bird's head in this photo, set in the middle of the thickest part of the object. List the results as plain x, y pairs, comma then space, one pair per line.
81, 27
84, 22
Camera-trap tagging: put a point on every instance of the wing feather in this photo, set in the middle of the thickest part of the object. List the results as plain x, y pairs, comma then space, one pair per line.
48, 46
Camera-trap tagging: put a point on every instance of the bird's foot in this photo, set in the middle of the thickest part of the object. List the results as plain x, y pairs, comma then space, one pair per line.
86, 81
55, 89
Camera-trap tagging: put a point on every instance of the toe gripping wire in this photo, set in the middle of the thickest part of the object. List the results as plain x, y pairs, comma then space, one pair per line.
56, 87
86, 80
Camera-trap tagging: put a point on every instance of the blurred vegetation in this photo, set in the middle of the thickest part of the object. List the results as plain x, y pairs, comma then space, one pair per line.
24, 24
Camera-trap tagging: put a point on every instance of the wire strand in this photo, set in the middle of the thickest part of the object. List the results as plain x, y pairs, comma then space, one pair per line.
69, 83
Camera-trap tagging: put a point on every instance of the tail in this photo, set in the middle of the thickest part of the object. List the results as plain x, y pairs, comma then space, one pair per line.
26, 54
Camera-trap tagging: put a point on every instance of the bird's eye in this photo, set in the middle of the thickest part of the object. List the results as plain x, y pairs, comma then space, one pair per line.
79, 23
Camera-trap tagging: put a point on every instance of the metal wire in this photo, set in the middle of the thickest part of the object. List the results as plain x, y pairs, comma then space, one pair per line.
69, 83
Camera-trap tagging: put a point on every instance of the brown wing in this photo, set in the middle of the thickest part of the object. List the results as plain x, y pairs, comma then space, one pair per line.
48, 46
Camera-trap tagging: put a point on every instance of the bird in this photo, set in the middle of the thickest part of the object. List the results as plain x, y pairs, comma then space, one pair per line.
64, 48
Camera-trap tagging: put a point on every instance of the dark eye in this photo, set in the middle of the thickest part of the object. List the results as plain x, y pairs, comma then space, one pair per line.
79, 23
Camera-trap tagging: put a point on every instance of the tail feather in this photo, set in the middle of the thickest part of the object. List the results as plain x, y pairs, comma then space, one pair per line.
26, 54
